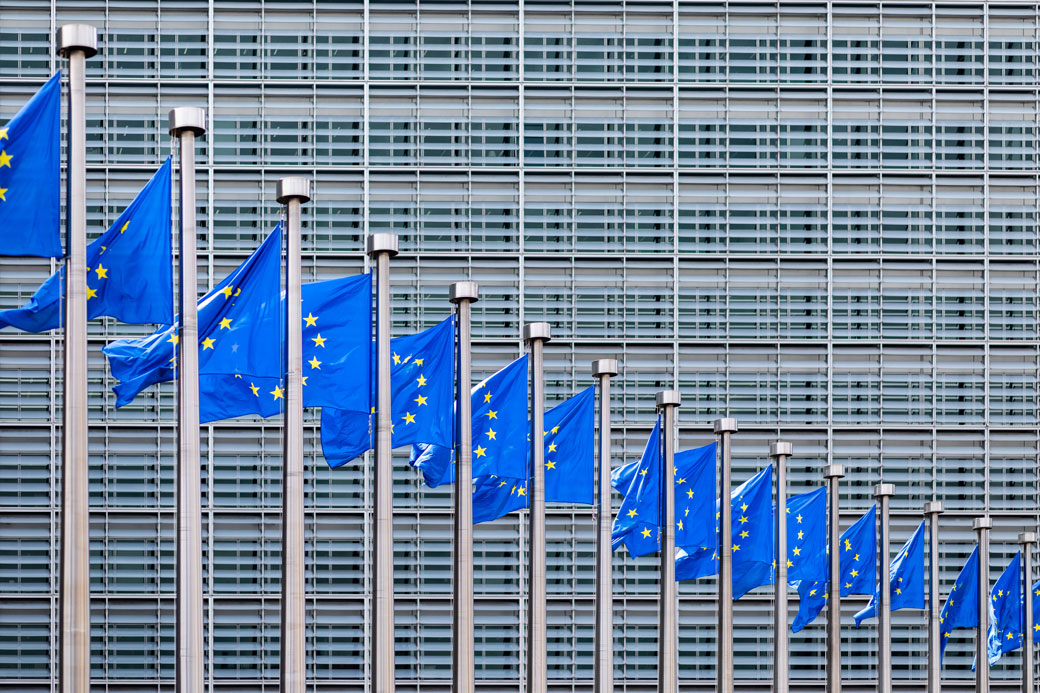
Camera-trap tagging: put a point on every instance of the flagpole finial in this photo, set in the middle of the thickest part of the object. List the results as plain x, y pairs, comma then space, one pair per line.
293, 188
382, 243
884, 490
666, 398
81, 37
933, 507
982, 523
1027, 538
537, 330
781, 448
604, 367
726, 425
463, 291
187, 118
834, 470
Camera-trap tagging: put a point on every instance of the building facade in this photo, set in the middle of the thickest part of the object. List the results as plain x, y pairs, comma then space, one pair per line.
819, 218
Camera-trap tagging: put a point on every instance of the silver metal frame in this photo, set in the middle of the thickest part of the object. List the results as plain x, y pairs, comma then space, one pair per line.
603, 665
668, 608
982, 527
932, 510
832, 474
725, 428
780, 451
883, 492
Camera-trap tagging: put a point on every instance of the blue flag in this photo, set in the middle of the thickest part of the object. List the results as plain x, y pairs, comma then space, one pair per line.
807, 537
1035, 620
857, 547
1005, 612
30, 176
638, 519
569, 443
129, 275
905, 581
499, 406
695, 504
962, 605
751, 541
421, 385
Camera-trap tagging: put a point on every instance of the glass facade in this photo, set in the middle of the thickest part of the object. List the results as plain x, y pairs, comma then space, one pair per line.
820, 218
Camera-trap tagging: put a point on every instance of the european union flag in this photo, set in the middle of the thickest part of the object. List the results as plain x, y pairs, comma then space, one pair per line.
30, 176
695, 498
239, 322
422, 396
569, 442
638, 519
962, 605
1036, 611
858, 551
807, 537
129, 275
500, 424
905, 581
1005, 612
751, 540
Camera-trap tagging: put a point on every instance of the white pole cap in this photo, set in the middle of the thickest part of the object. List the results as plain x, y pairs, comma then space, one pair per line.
293, 188
537, 330
382, 243
187, 118
668, 398
781, 447
77, 37
463, 291
604, 367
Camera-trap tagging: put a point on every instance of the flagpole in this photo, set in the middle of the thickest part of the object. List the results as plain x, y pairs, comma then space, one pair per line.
832, 473
382, 247
77, 42
780, 451
536, 334
292, 192
882, 492
982, 526
1027, 539
463, 295
667, 654
725, 428
932, 509
186, 123
603, 676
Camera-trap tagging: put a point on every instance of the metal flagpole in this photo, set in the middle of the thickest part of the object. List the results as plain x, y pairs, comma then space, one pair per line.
667, 654
463, 295
536, 334
882, 492
77, 42
382, 247
780, 451
982, 525
1027, 539
292, 192
832, 473
932, 509
604, 637
186, 123
724, 642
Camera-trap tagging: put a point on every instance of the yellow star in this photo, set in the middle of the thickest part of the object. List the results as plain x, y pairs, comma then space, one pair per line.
101, 272
490, 433
3, 134
420, 400
550, 465
397, 360
225, 323
208, 343
743, 519
492, 414
642, 472
848, 545
790, 563
632, 513
2, 193
689, 493
855, 573
91, 293
303, 379
124, 227
227, 290
646, 533
255, 389
899, 591
736, 547
408, 418
315, 363
743, 508
1037, 627
801, 534
552, 447
421, 380
480, 451
555, 430
797, 551
5, 159
174, 338
487, 397
419, 362
812, 593
277, 392
310, 320
521, 491
744, 534
679, 524
681, 481
319, 341
1011, 636
799, 518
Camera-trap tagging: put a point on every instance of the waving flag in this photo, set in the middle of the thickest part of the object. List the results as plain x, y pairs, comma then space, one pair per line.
807, 537
569, 443
421, 398
129, 268
638, 519
30, 176
1005, 612
962, 605
906, 579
